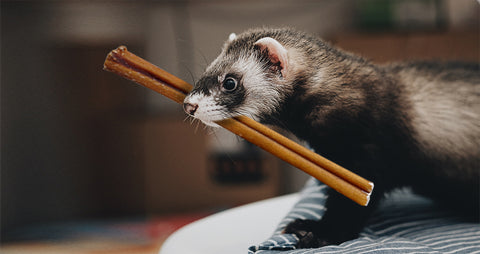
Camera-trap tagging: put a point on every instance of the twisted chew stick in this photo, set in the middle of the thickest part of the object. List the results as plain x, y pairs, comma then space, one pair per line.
132, 67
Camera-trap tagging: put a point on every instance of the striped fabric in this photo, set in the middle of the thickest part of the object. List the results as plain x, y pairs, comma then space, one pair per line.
404, 223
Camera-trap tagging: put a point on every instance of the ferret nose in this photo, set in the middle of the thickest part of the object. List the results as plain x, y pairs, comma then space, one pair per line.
190, 108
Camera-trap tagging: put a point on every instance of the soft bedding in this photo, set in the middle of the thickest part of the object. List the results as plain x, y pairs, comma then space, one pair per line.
403, 223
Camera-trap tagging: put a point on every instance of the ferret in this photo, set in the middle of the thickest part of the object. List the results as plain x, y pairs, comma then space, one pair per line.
413, 124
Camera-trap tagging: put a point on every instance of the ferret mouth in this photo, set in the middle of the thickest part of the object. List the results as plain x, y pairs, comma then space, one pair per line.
209, 123
212, 118
208, 117
205, 109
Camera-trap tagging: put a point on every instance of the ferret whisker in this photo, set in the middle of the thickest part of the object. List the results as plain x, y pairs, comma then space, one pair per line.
210, 131
196, 127
192, 77
206, 127
203, 57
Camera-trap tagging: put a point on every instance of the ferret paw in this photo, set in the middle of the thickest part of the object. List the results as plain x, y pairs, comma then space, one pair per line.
311, 234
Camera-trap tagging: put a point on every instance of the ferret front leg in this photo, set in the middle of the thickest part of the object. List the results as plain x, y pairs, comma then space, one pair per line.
343, 220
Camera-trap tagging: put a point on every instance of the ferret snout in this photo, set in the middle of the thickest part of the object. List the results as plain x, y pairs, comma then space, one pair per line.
190, 108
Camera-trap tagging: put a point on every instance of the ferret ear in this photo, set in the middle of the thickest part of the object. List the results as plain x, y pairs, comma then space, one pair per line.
276, 52
232, 37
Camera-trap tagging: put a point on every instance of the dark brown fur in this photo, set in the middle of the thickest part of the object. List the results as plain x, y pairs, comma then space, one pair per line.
402, 125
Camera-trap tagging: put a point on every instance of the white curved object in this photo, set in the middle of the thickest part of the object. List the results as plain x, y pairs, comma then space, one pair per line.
231, 231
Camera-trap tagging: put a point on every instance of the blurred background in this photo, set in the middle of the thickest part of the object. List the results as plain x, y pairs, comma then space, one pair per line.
92, 163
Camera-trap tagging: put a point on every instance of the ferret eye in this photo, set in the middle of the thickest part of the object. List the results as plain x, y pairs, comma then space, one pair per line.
229, 84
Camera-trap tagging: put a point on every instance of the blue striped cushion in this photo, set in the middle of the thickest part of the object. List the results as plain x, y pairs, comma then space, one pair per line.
404, 223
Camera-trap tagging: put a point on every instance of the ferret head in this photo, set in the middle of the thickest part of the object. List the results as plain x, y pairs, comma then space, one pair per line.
247, 78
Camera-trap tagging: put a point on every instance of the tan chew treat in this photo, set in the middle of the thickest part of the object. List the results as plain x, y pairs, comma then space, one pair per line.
332, 167
132, 67
292, 157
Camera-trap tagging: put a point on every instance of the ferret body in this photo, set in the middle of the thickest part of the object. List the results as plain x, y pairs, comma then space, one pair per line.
406, 124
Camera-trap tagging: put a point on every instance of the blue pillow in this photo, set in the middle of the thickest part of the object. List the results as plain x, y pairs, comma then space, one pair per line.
403, 223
